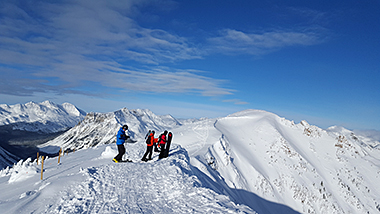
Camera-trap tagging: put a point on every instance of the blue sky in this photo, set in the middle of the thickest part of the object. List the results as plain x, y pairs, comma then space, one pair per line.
317, 61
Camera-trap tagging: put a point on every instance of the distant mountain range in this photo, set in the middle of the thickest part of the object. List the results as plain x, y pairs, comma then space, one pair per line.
23, 126
101, 128
45, 117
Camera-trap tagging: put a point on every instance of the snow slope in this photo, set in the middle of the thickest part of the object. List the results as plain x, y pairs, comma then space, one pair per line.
88, 181
307, 168
250, 161
44, 117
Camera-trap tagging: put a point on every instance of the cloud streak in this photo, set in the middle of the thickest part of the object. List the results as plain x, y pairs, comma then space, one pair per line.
65, 46
236, 102
232, 41
89, 41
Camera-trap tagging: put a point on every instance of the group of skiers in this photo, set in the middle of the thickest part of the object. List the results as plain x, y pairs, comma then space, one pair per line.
160, 144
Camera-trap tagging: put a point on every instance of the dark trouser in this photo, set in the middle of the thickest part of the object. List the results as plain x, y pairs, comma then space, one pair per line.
121, 150
167, 150
162, 153
149, 150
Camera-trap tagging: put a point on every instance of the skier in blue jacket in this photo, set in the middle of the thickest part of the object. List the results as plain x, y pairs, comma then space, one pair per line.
120, 140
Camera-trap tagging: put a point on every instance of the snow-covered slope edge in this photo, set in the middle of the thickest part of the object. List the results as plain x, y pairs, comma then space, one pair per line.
44, 117
255, 155
88, 181
302, 166
101, 128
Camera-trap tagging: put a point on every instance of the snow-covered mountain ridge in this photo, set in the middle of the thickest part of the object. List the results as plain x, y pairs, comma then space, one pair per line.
256, 158
45, 117
99, 128
305, 167
302, 166
310, 169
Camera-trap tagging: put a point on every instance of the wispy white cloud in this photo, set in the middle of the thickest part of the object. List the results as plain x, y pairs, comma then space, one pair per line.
236, 102
77, 42
88, 28
65, 46
232, 41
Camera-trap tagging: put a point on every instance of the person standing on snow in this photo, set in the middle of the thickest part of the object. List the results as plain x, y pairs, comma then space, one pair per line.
121, 137
170, 136
162, 142
149, 146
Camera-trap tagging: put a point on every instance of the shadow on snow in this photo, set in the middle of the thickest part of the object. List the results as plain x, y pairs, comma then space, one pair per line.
238, 196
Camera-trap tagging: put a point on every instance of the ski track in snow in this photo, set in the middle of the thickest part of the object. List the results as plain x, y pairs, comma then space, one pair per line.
164, 186
202, 132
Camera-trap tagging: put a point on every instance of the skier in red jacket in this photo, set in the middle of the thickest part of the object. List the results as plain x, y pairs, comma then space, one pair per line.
162, 142
149, 147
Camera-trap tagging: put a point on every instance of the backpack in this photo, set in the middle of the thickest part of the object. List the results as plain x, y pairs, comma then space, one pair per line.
148, 139
147, 134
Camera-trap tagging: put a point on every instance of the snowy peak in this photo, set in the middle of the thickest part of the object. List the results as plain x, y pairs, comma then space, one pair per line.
308, 168
356, 137
101, 128
73, 110
44, 117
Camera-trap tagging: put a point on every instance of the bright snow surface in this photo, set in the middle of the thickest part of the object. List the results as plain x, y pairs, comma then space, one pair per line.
87, 181
251, 161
